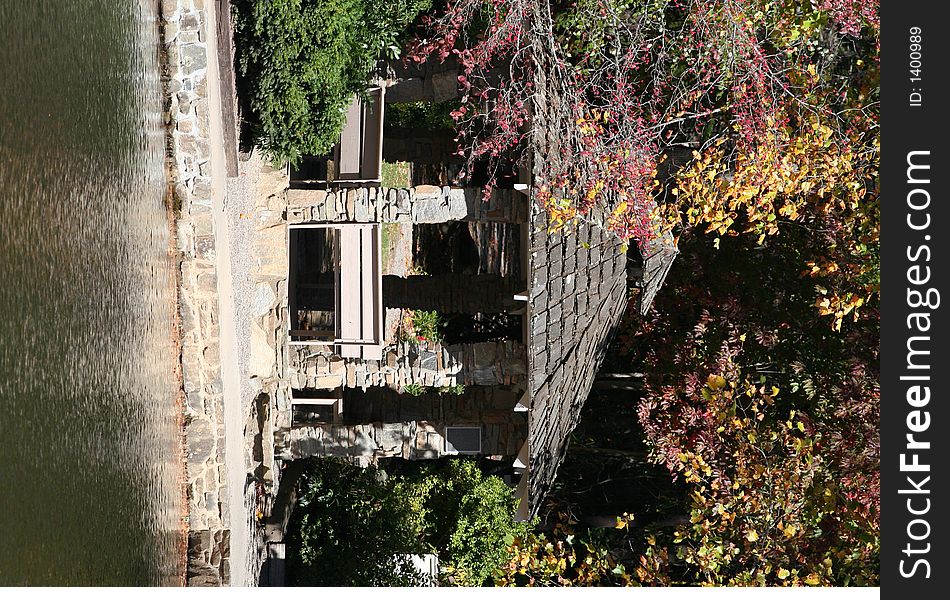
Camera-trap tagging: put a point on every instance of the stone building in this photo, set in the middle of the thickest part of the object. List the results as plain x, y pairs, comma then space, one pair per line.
526, 315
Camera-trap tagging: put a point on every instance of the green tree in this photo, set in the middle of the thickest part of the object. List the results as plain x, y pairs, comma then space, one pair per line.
354, 526
349, 527
471, 521
302, 61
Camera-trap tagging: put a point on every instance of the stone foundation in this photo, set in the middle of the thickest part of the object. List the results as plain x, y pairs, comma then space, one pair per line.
405, 363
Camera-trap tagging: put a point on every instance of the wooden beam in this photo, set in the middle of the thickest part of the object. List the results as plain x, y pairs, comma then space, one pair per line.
350, 306
521, 461
349, 150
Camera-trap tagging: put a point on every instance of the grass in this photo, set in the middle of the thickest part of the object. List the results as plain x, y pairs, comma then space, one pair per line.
390, 233
396, 175
414, 389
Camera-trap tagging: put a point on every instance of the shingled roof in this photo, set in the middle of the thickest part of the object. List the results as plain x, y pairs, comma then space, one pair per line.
579, 285
657, 257
578, 294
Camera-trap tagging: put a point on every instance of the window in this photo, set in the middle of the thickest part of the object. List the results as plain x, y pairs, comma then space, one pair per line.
335, 288
463, 440
357, 157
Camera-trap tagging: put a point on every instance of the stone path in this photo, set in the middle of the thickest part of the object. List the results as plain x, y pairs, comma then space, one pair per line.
229, 352
239, 215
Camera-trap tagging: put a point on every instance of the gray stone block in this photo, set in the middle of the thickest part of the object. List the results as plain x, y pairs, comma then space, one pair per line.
428, 360
194, 57
201, 440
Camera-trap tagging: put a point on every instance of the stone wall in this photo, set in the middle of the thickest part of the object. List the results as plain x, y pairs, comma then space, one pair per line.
383, 424
184, 24
421, 146
405, 363
419, 204
431, 81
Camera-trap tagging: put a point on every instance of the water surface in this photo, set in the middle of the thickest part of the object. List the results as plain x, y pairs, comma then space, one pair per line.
88, 469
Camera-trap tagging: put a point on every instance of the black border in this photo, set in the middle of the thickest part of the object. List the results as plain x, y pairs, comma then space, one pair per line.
906, 128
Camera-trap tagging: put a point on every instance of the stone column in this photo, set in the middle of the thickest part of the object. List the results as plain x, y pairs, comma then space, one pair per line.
431, 81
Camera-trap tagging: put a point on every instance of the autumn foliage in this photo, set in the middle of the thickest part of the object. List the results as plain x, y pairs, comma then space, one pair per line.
748, 128
779, 451
772, 99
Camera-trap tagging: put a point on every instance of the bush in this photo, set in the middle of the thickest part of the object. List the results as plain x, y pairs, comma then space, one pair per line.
471, 518
302, 61
353, 527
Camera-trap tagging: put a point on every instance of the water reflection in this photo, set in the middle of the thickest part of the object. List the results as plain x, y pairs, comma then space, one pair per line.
88, 447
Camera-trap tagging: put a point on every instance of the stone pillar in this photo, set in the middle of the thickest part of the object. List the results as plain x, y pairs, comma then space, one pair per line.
431, 81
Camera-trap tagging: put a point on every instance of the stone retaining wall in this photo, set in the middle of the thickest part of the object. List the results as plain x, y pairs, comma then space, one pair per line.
184, 24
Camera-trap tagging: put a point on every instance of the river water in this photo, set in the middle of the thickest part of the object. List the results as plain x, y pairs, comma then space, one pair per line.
88, 441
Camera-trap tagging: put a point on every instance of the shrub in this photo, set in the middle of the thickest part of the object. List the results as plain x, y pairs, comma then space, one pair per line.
427, 325
471, 518
351, 526
302, 61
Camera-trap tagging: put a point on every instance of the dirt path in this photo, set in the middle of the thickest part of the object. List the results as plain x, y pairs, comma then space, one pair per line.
230, 371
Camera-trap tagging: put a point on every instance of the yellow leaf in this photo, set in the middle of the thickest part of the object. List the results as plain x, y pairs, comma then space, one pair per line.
783, 573
751, 535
